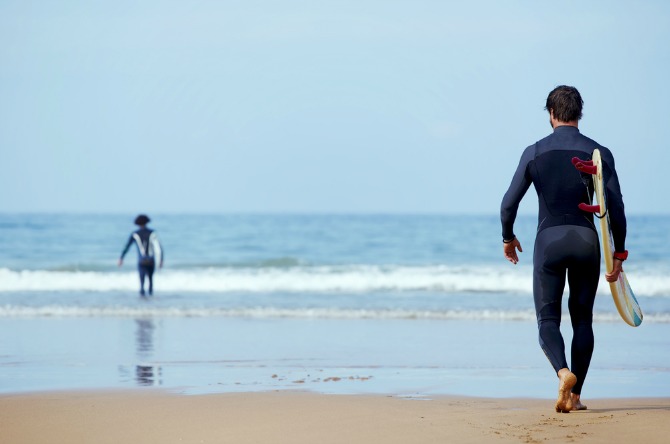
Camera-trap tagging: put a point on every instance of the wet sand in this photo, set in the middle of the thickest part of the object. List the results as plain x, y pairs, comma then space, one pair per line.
331, 356
154, 415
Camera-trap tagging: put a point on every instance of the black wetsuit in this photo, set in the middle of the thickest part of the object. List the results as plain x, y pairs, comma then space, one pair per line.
148, 248
566, 241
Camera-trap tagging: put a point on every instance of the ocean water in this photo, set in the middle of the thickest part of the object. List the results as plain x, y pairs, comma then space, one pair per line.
418, 304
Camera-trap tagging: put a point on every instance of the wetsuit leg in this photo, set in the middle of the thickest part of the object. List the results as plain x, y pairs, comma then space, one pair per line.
548, 284
583, 275
143, 270
573, 250
150, 275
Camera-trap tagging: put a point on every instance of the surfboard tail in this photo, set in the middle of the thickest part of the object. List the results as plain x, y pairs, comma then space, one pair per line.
625, 301
631, 301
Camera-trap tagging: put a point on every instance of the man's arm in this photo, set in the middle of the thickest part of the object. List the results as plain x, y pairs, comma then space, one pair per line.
125, 250
517, 189
614, 199
616, 211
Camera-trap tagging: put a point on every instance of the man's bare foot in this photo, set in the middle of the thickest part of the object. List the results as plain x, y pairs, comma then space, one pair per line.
567, 380
577, 403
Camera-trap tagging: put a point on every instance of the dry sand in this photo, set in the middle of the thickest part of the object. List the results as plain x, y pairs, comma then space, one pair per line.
151, 416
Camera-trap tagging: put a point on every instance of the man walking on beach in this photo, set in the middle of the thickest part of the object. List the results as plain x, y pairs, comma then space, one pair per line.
148, 248
566, 241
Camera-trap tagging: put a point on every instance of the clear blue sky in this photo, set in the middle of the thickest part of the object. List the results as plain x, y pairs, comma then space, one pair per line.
317, 106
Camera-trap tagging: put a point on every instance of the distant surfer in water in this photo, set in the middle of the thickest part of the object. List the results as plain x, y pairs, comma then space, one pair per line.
148, 248
566, 241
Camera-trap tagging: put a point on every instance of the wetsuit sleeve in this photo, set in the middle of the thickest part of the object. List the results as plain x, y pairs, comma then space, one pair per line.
614, 199
517, 189
130, 242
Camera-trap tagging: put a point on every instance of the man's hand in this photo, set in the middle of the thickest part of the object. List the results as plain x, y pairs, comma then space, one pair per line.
616, 270
120, 262
509, 250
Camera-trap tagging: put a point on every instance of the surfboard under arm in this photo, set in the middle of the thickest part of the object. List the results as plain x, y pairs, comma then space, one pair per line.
622, 293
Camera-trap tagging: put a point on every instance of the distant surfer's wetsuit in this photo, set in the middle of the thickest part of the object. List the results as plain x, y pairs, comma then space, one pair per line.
148, 249
566, 239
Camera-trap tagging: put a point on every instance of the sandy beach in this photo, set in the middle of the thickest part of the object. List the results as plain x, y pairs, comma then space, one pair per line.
158, 416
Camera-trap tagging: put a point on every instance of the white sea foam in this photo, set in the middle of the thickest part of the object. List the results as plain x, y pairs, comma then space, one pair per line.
352, 278
363, 278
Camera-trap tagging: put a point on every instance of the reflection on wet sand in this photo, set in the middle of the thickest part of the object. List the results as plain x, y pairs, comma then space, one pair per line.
146, 374
144, 336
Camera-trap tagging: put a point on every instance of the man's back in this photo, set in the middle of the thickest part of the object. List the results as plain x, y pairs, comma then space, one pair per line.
560, 187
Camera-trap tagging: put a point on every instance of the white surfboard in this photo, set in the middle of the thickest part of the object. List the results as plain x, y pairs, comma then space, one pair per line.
623, 295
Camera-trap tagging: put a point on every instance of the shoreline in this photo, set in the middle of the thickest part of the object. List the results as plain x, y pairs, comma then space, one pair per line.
158, 415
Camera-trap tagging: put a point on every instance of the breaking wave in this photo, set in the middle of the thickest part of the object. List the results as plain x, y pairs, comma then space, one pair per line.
313, 279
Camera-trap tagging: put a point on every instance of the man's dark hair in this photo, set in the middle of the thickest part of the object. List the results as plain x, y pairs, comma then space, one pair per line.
566, 103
